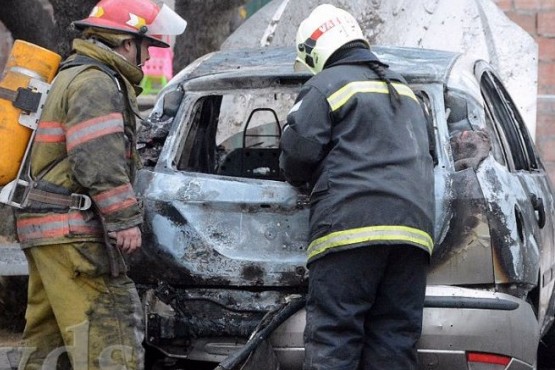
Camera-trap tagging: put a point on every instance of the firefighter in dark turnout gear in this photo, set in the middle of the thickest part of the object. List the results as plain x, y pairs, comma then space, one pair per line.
357, 138
81, 211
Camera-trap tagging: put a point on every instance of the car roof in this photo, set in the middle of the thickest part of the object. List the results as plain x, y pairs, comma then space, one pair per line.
233, 68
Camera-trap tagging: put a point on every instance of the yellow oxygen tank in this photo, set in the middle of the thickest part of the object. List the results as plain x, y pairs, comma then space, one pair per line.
30, 68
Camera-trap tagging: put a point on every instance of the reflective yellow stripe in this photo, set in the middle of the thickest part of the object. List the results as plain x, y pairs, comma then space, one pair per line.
401, 234
342, 96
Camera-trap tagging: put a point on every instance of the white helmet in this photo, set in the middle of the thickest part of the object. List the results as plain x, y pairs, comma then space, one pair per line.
326, 29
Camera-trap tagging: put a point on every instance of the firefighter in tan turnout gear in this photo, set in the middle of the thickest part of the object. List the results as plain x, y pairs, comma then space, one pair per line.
357, 136
81, 212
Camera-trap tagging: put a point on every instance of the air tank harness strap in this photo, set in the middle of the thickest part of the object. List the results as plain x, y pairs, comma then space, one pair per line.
41, 194
23, 98
73, 201
80, 60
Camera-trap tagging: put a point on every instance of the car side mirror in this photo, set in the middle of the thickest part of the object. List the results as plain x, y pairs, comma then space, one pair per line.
171, 103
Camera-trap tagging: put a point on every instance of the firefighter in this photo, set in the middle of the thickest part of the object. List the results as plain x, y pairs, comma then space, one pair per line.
81, 212
356, 137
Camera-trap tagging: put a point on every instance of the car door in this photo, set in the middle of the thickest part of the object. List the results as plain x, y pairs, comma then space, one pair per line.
519, 191
216, 212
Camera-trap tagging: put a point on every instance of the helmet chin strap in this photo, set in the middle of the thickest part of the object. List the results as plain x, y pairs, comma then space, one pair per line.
138, 42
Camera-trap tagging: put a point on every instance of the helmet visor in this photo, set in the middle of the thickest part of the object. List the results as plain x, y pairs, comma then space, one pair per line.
167, 22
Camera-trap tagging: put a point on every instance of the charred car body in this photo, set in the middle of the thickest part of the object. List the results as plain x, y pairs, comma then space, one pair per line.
226, 236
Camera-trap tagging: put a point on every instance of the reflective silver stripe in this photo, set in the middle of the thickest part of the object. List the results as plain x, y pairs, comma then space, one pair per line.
401, 234
342, 96
93, 129
56, 226
50, 132
115, 199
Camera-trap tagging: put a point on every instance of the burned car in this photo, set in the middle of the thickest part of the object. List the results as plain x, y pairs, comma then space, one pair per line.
225, 235
223, 258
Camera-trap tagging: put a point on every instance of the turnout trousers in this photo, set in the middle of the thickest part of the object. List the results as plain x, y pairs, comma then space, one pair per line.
364, 308
76, 310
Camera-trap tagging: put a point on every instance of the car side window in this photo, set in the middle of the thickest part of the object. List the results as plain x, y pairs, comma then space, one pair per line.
504, 117
199, 149
470, 143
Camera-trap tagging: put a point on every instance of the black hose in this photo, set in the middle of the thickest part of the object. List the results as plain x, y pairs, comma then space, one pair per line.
236, 358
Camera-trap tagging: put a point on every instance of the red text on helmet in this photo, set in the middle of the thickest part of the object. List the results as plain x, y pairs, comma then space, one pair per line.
325, 27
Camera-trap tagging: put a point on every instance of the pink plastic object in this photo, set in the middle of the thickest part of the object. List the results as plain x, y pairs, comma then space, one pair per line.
158, 70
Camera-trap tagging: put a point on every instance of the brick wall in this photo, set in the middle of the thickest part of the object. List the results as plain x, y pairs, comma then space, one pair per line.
537, 17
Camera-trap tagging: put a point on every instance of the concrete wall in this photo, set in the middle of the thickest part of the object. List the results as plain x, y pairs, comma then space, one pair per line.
537, 17
5, 45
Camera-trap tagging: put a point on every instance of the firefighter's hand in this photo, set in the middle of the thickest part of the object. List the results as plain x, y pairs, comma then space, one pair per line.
128, 240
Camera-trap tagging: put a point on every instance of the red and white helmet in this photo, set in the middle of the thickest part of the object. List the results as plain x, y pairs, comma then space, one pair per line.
143, 18
322, 33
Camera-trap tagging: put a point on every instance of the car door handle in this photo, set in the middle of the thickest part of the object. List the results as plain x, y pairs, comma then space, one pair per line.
539, 209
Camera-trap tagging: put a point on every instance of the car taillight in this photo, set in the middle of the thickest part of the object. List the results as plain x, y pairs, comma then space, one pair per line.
478, 358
